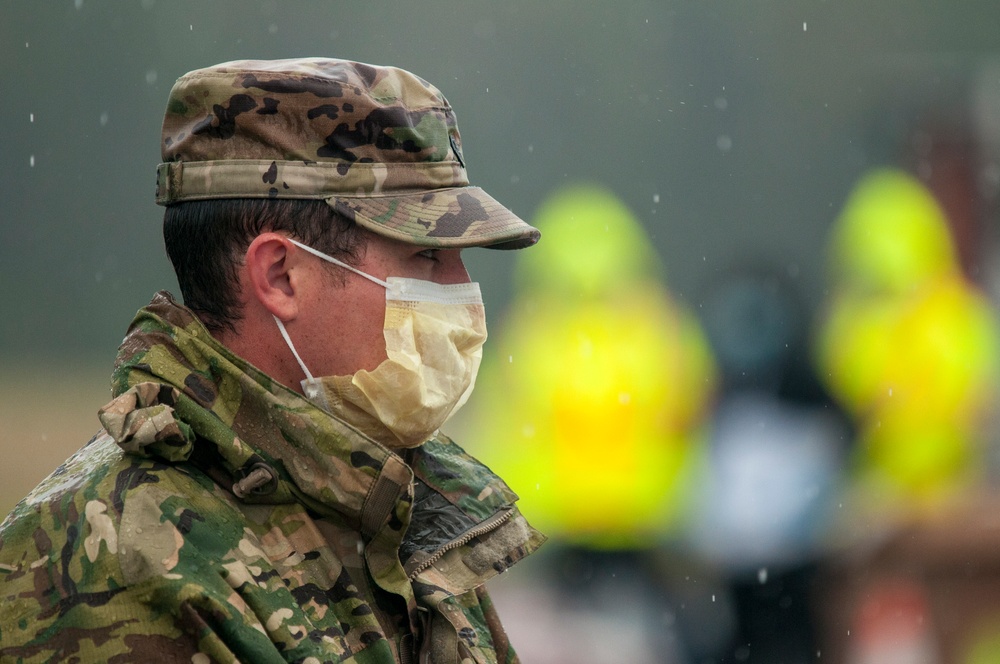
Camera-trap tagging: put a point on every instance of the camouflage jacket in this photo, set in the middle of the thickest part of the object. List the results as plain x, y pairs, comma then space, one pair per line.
221, 517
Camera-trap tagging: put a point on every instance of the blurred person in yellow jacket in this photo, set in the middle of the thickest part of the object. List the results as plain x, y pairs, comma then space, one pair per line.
599, 380
593, 400
908, 345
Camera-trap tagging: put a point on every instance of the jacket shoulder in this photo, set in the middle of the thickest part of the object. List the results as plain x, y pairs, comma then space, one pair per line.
74, 549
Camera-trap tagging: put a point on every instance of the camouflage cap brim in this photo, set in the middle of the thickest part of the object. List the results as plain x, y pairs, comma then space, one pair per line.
446, 218
425, 208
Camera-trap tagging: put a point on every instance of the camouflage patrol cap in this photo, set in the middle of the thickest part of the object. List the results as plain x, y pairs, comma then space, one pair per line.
378, 144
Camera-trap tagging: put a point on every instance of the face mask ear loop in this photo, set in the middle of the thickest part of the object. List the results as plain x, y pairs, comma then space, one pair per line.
331, 259
288, 340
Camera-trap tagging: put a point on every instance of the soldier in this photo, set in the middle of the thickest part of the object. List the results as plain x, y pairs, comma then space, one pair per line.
270, 484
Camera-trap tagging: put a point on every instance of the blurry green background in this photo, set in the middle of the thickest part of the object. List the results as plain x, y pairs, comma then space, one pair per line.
733, 130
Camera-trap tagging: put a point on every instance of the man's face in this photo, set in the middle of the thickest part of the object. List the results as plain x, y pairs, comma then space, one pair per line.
342, 326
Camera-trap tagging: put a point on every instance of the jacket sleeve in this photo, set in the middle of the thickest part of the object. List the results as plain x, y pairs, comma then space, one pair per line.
77, 585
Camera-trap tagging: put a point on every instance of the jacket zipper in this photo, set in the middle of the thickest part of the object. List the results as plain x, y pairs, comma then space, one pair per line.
406, 653
491, 523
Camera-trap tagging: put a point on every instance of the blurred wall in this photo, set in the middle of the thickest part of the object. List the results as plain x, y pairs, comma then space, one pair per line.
734, 130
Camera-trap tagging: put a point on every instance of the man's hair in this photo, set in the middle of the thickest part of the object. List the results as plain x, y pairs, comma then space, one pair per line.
207, 240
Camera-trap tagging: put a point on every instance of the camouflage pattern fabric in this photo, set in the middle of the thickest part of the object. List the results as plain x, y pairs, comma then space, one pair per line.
379, 144
220, 517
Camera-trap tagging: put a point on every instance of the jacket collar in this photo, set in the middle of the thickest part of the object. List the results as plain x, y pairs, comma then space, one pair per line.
180, 395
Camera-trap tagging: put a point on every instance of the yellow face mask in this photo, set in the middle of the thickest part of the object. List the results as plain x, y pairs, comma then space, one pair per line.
434, 335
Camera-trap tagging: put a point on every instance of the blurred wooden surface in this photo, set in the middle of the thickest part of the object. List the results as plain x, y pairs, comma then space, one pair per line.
46, 414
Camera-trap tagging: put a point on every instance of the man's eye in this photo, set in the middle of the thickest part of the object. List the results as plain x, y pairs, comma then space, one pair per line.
429, 253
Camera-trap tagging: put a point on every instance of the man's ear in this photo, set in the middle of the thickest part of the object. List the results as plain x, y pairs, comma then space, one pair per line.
272, 279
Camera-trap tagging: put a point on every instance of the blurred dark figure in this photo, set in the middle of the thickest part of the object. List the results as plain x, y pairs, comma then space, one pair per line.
769, 479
